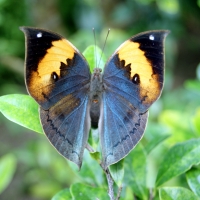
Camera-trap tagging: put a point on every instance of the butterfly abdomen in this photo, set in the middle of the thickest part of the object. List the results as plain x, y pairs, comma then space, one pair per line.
96, 88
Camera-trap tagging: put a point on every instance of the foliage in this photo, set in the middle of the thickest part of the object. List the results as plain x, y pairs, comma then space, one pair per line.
179, 159
7, 169
165, 165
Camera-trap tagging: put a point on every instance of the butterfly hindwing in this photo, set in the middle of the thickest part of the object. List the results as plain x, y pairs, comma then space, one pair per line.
67, 125
133, 80
122, 126
58, 78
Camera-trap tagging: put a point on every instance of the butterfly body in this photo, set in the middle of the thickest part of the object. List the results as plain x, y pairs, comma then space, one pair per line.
72, 99
96, 89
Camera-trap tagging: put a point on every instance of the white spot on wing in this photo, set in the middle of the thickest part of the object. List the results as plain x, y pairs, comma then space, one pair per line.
151, 37
135, 78
39, 35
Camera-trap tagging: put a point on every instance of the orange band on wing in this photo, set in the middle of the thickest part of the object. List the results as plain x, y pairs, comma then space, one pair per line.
149, 84
59, 52
41, 81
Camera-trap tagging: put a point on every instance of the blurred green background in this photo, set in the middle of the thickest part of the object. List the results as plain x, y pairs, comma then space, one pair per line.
40, 170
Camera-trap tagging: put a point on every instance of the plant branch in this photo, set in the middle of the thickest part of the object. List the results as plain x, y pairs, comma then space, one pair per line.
119, 193
110, 185
150, 194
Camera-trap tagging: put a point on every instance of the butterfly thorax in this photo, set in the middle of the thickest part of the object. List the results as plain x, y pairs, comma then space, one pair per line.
96, 88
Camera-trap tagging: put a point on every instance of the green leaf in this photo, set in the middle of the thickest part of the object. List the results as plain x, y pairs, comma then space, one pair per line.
178, 160
135, 171
94, 138
193, 179
96, 156
117, 172
176, 193
193, 85
178, 123
62, 195
44, 188
7, 169
93, 55
81, 191
196, 120
90, 172
21, 109
154, 142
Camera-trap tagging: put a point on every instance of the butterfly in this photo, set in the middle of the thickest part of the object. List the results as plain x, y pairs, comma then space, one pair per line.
71, 99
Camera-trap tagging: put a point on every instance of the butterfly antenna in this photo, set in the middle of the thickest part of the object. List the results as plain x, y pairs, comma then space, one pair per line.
104, 46
95, 47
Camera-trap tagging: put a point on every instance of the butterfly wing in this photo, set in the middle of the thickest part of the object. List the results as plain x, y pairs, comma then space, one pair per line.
133, 80
58, 77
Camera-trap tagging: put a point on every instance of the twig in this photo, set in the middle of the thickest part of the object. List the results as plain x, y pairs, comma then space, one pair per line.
119, 193
110, 185
150, 194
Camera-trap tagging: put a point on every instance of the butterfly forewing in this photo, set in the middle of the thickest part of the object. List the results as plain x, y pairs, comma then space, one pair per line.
54, 67
138, 64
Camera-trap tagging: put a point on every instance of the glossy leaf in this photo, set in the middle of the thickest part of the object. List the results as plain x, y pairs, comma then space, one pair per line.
63, 195
135, 172
7, 170
117, 172
176, 193
193, 179
90, 172
178, 160
94, 57
81, 191
21, 109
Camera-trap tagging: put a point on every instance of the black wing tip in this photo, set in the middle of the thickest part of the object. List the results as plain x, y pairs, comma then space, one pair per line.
145, 35
28, 30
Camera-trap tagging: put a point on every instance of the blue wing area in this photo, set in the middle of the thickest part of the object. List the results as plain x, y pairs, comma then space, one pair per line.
115, 79
67, 125
73, 79
121, 127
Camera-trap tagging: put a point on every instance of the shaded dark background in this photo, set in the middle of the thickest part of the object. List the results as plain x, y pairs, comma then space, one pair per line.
74, 19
